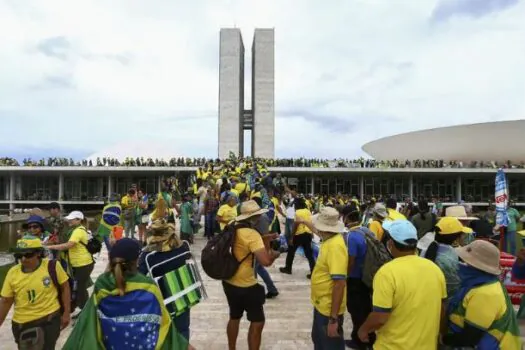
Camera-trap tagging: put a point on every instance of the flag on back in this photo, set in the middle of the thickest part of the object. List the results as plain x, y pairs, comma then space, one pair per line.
136, 320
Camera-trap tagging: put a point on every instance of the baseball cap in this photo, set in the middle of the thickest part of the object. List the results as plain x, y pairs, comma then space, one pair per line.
126, 248
401, 231
449, 225
75, 215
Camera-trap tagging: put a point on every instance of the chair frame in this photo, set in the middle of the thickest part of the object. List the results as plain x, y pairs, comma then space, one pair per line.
194, 268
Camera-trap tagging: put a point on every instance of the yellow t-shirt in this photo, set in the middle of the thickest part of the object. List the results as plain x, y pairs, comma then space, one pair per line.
78, 254
395, 215
247, 241
483, 307
411, 288
332, 264
35, 294
303, 214
276, 204
241, 187
228, 213
127, 202
377, 229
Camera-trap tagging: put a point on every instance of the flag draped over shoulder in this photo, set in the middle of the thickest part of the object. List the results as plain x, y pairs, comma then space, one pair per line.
110, 218
136, 320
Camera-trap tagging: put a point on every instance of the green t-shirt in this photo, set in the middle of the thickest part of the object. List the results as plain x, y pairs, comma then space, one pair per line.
514, 216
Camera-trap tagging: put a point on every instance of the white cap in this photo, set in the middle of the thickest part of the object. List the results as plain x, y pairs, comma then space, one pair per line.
75, 215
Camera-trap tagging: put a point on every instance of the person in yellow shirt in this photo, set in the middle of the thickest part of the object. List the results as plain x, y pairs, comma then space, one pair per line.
129, 204
408, 295
228, 211
29, 285
78, 257
481, 315
393, 214
242, 291
328, 289
301, 237
379, 214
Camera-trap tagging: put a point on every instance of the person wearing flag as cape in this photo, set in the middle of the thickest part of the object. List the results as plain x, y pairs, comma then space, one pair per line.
126, 309
111, 215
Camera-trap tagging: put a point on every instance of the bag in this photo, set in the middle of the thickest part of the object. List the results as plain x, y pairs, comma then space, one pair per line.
376, 255
217, 258
93, 246
52, 270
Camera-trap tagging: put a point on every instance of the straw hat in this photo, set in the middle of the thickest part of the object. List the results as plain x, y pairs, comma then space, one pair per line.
161, 231
248, 209
380, 210
458, 211
482, 255
328, 221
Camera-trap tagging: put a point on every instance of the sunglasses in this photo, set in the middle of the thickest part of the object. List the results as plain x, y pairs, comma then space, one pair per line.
28, 255
33, 227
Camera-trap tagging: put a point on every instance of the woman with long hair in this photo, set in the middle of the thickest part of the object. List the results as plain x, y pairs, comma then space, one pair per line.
126, 309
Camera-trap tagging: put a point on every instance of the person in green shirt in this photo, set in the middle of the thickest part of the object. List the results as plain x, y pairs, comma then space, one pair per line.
185, 211
514, 216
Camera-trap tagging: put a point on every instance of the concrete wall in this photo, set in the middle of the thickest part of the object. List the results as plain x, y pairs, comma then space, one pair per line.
263, 91
231, 92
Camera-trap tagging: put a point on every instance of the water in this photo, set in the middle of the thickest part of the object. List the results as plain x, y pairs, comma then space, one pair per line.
8, 238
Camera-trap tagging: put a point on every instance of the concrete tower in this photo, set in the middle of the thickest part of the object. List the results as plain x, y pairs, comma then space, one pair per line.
231, 92
263, 87
233, 118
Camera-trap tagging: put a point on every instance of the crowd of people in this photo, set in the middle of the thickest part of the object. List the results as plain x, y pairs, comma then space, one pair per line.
283, 162
411, 275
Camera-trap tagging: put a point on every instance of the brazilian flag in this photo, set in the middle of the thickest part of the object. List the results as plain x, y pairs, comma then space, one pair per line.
136, 320
110, 218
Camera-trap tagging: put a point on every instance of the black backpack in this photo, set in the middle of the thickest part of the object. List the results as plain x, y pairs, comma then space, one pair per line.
93, 246
217, 258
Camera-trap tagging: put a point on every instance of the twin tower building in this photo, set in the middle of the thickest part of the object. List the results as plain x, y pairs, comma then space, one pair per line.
234, 116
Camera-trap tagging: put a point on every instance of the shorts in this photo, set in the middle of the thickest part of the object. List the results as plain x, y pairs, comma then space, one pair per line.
249, 299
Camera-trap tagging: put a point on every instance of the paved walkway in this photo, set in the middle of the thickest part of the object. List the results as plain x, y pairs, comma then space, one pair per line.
289, 316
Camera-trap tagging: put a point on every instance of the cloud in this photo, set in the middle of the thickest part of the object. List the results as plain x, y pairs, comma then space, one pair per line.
56, 47
446, 9
345, 73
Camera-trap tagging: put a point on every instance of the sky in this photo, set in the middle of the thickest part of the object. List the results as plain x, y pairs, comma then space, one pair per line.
85, 77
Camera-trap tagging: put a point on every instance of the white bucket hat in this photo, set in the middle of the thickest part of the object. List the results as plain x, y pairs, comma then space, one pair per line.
482, 255
248, 209
458, 211
328, 221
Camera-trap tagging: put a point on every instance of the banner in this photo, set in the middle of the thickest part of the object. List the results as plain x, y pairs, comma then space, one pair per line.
501, 199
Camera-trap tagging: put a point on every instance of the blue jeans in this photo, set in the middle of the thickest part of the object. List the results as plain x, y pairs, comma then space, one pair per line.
182, 323
510, 242
261, 271
129, 228
209, 224
321, 339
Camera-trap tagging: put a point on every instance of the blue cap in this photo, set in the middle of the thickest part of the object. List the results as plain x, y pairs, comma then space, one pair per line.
126, 248
401, 231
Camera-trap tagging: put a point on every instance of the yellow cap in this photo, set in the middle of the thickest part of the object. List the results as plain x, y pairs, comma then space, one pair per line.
28, 243
450, 225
